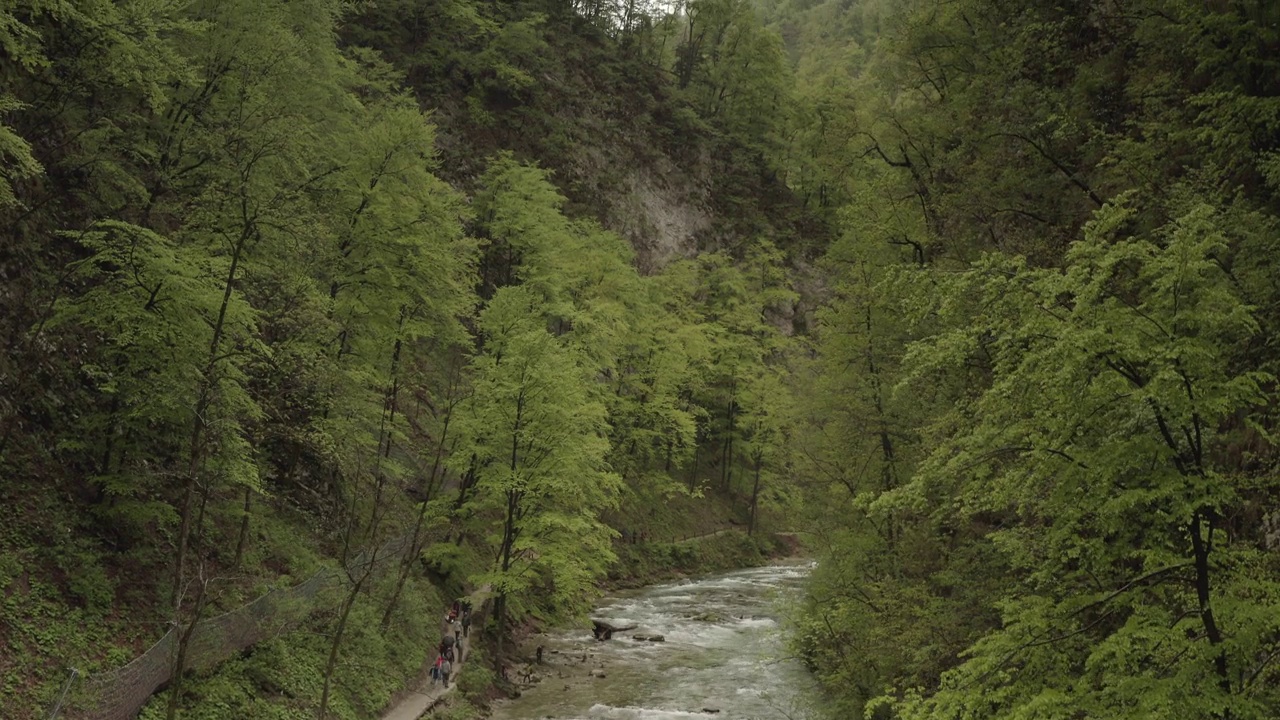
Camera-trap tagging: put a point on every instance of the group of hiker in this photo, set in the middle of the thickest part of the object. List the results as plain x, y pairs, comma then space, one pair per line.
455, 627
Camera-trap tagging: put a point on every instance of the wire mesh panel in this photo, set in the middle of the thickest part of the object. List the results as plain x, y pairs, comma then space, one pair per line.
119, 694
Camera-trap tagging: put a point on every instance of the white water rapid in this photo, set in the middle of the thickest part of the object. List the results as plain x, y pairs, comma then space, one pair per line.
723, 651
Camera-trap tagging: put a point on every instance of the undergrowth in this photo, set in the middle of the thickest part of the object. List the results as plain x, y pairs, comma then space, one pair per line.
648, 563
282, 678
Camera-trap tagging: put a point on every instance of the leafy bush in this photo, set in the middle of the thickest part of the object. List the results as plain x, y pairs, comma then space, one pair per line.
476, 677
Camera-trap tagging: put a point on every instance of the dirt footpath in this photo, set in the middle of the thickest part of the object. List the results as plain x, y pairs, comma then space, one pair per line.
422, 699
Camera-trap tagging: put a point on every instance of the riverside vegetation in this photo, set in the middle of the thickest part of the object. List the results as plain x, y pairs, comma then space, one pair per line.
979, 294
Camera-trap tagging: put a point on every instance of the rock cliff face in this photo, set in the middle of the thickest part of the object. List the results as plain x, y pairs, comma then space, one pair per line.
661, 212
627, 151
1271, 531
672, 191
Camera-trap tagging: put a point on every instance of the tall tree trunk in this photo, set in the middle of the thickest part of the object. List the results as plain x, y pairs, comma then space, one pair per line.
195, 457
509, 532
697, 458
406, 564
184, 641
108, 441
243, 538
1202, 546
356, 584
888, 470
755, 497
727, 469
386, 423
499, 618
345, 612
349, 531
415, 541
184, 645
465, 484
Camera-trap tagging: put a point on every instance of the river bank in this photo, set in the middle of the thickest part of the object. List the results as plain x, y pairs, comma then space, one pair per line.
644, 564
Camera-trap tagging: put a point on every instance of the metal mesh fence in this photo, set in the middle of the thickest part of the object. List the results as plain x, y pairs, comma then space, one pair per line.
120, 694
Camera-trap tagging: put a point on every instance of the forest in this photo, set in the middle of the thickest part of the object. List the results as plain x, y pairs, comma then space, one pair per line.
977, 296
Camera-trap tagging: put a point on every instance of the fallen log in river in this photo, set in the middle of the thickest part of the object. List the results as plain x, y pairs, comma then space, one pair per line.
604, 630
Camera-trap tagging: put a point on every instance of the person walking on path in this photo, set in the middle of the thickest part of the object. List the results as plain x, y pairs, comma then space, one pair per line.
446, 669
415, 704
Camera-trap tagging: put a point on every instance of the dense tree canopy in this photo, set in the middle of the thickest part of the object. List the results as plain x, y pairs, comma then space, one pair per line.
982, 294
1040, 446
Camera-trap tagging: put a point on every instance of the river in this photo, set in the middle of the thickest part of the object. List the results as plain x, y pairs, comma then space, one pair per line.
723, 651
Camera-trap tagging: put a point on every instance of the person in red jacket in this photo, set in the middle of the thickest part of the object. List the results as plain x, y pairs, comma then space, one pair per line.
435, 669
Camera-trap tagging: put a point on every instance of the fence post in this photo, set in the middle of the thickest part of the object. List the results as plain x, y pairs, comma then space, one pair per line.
57, 706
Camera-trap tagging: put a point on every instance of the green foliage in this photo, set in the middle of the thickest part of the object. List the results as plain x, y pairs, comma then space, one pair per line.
15, 153
538, 442
41, 622
653, 562
1038, 413
476, 677
734, 70
1093, 442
